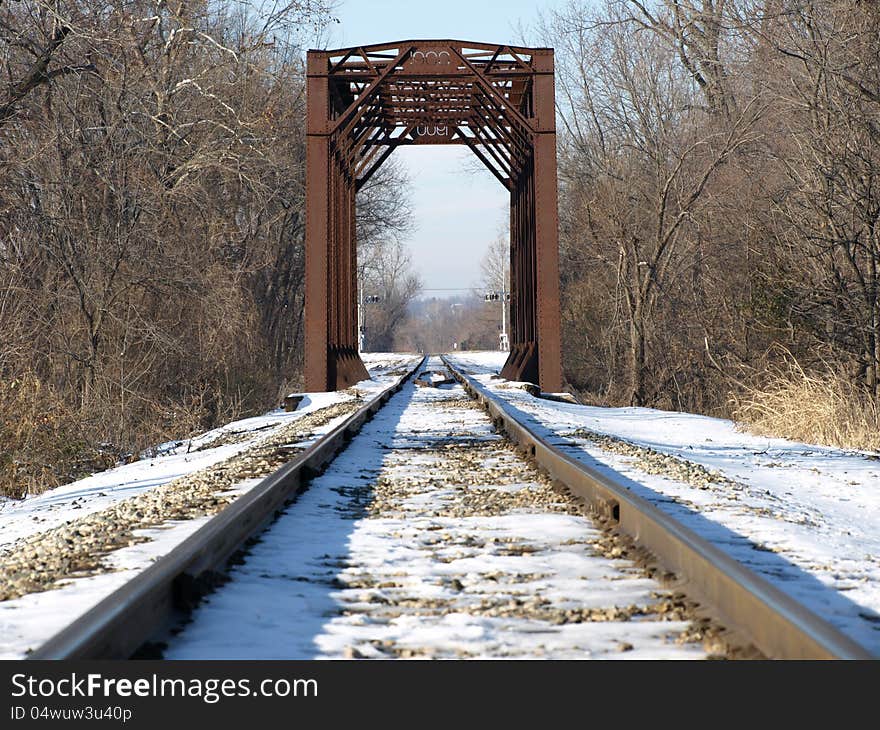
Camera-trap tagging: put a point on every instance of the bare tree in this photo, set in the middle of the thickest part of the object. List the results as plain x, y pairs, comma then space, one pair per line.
697, 31
388, 273
828, 77
151, 218
637, 159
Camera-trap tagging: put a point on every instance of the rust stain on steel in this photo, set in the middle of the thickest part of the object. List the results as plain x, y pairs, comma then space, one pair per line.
365, 101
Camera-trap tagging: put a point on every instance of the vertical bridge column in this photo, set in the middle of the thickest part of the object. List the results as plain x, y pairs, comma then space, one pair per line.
317, 223
546, 224
536, 347
522, 363
331, 357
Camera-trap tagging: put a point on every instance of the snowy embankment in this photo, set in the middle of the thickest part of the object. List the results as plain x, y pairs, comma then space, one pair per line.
807, 517
40, 512
27, 620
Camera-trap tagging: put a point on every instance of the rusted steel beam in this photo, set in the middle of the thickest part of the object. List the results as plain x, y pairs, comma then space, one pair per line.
364, 72
522, 363
364, 178
546, 225
318, 222
513, 115
351, 112
331, 359
377, 48
505, 181
494, 149
502, 137
515, 137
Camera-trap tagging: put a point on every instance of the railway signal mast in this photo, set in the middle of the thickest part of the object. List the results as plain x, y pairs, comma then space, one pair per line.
502, 296
368, 299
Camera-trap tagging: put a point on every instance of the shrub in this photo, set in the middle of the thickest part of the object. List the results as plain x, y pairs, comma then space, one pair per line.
41, 443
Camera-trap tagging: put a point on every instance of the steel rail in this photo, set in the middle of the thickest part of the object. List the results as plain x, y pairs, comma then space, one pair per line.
777, 624
130, 615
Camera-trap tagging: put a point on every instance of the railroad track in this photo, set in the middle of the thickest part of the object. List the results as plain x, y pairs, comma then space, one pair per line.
432, 535
773, 621
117, 626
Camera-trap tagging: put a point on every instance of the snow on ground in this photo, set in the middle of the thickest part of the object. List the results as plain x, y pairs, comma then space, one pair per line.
28, 621
805, 516
404, 549
36, 513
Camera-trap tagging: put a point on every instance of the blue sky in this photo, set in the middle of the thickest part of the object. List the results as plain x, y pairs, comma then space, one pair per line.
460, 208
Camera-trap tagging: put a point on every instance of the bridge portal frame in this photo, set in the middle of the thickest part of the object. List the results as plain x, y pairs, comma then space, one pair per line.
365, 101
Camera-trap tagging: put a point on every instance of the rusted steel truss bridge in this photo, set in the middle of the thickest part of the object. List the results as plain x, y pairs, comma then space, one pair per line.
366, 101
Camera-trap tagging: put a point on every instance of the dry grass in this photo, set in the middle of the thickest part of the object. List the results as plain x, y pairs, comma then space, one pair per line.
44, 442
822, 407
41, 441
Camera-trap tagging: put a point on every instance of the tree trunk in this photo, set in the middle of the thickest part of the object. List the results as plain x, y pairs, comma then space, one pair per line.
637, 362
